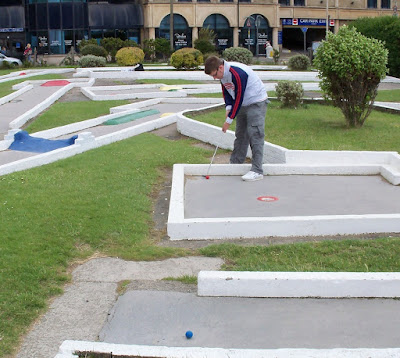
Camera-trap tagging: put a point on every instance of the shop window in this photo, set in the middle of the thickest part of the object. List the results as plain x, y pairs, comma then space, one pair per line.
299, 3
182, 32
220, 25
255, 34
284, 2
56, 41
372, 4
80, 15
54, 16
41, 16
67, 16
385, 4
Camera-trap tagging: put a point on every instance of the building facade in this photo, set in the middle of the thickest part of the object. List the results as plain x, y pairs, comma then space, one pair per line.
293, 24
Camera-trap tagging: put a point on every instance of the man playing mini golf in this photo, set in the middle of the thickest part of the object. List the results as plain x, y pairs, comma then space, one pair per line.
246, 100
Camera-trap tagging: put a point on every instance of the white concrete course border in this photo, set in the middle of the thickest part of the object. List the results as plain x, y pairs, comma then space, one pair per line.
85, 145
299, 284
31, 73
69, 349
21, 120
15, 94
179, 228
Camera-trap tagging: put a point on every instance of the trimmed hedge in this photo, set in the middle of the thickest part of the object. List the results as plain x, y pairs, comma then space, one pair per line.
129, 56
92, 61
238, 54
186, 59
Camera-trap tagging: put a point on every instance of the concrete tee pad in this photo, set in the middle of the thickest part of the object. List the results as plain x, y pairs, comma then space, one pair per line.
286, 203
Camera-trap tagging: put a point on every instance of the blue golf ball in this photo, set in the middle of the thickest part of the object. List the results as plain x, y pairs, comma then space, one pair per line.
189, 334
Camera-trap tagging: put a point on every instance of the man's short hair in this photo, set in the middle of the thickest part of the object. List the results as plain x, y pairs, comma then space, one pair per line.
212, 63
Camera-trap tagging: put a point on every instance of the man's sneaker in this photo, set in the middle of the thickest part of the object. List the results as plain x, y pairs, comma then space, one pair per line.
252, 176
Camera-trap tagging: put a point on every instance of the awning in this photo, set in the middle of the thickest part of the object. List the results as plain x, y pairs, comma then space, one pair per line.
12, 17
113, 16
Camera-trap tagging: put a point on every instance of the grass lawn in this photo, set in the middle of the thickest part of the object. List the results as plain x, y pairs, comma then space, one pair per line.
72, 112
316, 127
99, 201
388, 95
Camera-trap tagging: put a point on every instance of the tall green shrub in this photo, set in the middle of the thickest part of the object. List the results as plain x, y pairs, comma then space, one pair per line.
206, 41
351, 67
112, 45
387, 29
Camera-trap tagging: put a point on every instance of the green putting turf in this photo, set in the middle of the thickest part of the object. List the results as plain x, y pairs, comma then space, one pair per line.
131, 117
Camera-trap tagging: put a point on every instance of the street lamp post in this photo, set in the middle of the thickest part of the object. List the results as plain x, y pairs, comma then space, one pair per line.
327, 17
171, 24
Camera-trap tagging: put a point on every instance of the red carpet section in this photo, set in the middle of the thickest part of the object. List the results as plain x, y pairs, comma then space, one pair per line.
56, 83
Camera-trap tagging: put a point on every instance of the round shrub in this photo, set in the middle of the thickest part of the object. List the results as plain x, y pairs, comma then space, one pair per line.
129, 56
290, 93
92, 61
299, 63
94, 50
186, 58
238, 54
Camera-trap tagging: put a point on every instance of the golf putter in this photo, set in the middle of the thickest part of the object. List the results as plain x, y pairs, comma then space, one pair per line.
212, 159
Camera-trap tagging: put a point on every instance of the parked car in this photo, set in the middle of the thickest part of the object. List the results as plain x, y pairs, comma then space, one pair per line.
10, 60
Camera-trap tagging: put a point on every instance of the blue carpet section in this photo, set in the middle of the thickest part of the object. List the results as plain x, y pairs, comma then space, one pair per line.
25, 143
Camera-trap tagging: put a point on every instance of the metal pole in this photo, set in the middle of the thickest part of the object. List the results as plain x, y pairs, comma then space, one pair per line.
238, 22
171, 24
327, 17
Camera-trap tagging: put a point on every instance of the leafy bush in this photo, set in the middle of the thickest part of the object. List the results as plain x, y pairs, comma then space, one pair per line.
186, 58
94, 50
204, 46
162, 47
238, 54
156, 48
149, 49
112, 45
84, 43
290, 93
351, 67
129, 56
206, 41
387, 29
276, 55
92, 61
299, 63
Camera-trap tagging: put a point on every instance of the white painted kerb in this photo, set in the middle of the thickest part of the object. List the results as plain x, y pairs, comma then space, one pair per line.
68, 348
299, 284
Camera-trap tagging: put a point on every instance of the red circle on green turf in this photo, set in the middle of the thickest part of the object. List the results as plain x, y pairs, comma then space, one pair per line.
267, 198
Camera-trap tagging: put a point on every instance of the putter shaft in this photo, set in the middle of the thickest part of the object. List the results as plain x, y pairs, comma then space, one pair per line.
212, 159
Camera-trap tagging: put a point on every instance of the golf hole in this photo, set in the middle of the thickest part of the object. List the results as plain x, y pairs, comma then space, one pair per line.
267, 199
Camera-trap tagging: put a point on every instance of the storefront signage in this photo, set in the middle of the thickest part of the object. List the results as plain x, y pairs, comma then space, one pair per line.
55, 43
180, 40
306, 22
12, 29
222, 42
262, 38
